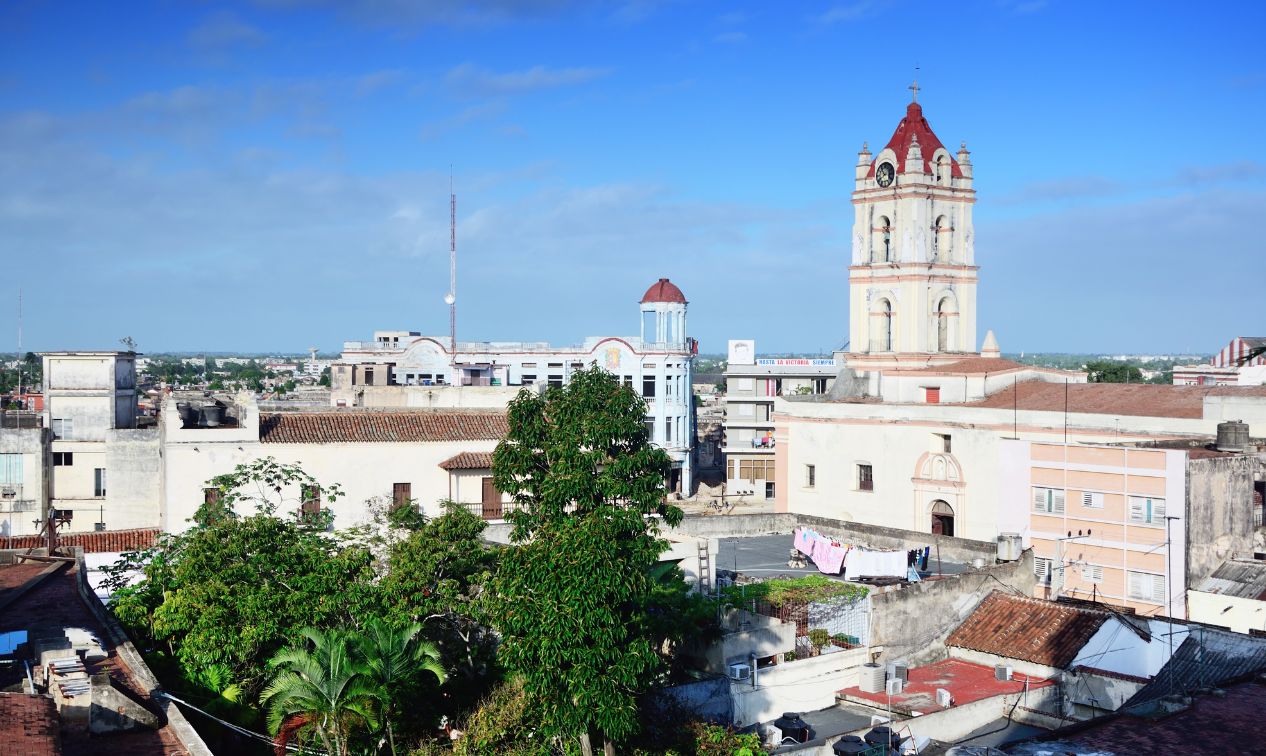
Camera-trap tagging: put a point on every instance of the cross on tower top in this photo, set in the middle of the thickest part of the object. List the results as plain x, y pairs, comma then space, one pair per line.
914, 88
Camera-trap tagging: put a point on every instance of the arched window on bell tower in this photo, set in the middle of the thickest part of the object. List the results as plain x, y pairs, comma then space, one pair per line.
881, 325
941, 240
883, 241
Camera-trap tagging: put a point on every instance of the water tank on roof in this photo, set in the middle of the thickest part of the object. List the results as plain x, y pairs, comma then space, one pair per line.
1010, 546
1232, 436
849, 745
793, 727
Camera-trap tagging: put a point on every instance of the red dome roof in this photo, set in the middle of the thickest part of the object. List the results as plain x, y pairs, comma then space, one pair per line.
664, 290
914, 124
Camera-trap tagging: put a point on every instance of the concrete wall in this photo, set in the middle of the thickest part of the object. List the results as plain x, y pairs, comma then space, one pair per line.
1232, 612
911, 623
423, 396
27, 477
747, 634
134, 479
1220, 513
802, 685
708, 700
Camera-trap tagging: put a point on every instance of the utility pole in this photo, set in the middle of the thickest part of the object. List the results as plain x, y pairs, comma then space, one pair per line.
1059, 587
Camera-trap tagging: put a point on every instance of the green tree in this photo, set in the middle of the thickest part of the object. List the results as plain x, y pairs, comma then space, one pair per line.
326, 687
573, 600
324, 380
1111, 371
394, 659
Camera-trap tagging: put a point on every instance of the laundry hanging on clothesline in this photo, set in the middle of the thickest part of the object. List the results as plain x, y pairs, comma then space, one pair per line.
853, 561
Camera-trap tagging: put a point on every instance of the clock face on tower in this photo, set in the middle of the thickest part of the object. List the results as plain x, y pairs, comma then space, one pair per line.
883, 174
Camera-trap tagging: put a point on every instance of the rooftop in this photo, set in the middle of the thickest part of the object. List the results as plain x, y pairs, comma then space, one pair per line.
664, 290
379, 427
105, 541
1239, 578
1141, 399
28, 725
915, 126
1027, 629
974, 366
966, 682
468, 461
1224, 722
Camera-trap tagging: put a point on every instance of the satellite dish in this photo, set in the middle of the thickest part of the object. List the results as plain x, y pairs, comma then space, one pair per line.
449, 299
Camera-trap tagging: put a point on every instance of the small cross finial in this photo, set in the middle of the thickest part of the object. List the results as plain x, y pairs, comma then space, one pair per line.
914, 88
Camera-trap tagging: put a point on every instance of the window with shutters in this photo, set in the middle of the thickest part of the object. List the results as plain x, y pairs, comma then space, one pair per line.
1146, 586
311, 506
865, 478
400, 494
1042, 569
1048, 501
1145, 510
932, 394
1092, 499
810, 476
1092, 573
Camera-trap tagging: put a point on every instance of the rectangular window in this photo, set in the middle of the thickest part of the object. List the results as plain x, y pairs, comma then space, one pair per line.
527, 365
650, 429
369, 376
932, 394
1092, 573
63, 427
628, 381
555, 364
745, 410
528, 378
810, 476
1092, 499
941, 443
648, 386
865, 478
745, 384
63, 459
1146, 586
1147, 511
11, 469
668, 431
555, 381
311, 505
1042, 569
1048, 501
400, 494
99, 482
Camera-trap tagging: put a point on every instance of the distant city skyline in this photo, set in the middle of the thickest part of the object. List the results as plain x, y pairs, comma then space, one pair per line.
265, 177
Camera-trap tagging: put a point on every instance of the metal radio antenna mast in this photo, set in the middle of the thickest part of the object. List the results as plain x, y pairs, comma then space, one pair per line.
452, 269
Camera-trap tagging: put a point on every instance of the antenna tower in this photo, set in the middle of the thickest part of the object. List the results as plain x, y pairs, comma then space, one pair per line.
452, 270
21, 362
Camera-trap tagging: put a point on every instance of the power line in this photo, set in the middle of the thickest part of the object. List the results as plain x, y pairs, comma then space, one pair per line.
237, 728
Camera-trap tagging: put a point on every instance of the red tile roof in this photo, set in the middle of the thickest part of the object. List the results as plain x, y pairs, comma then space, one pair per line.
468, 461
105, 541
1028, 629
914, 124
966, 682
1143, 399
664, 290
381, 427
28, 725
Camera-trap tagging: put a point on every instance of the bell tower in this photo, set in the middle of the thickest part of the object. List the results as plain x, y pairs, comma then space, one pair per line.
912, 277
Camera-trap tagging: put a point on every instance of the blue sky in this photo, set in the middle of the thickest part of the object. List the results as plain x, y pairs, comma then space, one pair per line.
274, 174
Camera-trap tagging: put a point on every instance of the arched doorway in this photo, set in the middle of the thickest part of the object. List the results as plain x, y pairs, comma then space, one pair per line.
942, 518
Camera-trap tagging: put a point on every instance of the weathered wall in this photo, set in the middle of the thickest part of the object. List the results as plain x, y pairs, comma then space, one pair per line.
1219, 512
802, 685
134, 479
747, 634
911, 623
708, 700
26, 475
1232, 612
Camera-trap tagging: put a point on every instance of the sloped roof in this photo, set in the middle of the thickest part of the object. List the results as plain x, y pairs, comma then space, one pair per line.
978, 365
664, 290
1028, 629
29, 725
913, 126
1207, 657
381, 427
104, 541
1241, 579
1141, 399
468, 461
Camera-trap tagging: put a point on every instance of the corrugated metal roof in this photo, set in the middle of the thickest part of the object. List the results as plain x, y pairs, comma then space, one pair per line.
1242, 579
1207, 657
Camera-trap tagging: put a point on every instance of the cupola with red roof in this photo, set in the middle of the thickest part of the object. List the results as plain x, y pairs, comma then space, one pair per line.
914, 130
664, 290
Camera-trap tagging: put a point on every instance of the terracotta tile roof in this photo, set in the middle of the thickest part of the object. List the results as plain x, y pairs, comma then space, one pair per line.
664, 290
1027, 629
29, 725
105, 541
975, 365
914, 125
381, 427
468, 461
1143, 399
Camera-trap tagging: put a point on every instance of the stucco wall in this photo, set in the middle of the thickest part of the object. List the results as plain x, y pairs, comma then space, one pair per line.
29, 483
1220, 513
802, 685
134, 479
911, 623
1232, 612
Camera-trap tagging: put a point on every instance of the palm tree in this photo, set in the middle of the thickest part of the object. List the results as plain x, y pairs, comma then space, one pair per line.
325, 685
392, 657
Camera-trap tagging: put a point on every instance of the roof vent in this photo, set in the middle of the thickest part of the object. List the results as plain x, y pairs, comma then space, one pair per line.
1232, 436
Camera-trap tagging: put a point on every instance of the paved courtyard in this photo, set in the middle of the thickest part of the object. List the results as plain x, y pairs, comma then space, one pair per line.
765, 556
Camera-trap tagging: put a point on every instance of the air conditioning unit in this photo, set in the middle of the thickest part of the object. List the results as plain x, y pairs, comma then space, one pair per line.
943, 698
1002, 672
740, 671
895, 686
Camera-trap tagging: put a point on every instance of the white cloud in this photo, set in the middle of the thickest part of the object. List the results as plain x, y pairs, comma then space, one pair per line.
222, 31
469, 79
847, 12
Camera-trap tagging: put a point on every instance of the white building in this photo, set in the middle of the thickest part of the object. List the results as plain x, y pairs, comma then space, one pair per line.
407, 369
1232, 366
752, 383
